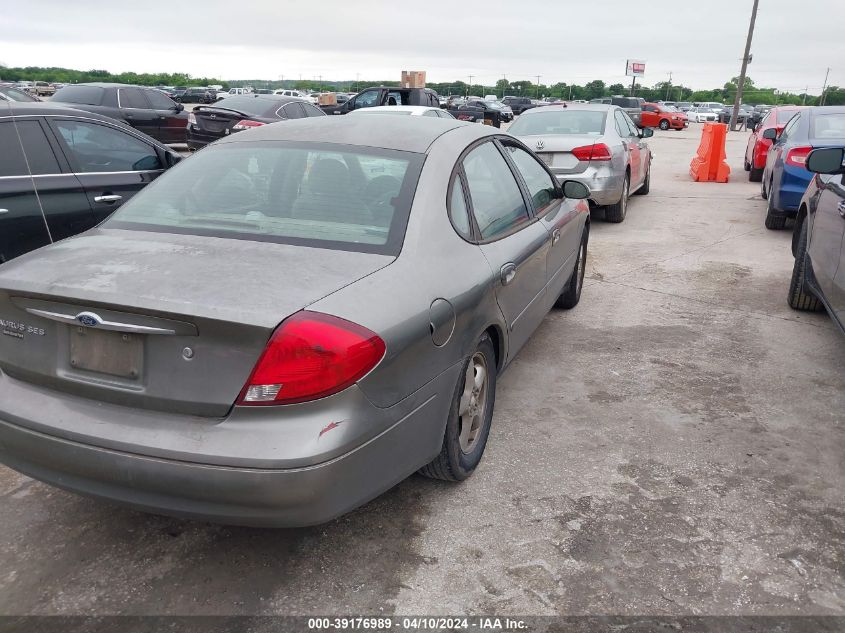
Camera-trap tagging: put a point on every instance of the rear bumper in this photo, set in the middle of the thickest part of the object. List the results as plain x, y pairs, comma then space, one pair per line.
605, 185
198, 140
793, 184
263, 495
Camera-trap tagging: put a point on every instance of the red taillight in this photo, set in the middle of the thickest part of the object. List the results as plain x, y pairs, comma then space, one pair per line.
246, 124
797, 156
310, 356
597, 151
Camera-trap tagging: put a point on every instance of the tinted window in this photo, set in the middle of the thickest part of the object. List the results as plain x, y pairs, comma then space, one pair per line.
828, 126
790, 127
367, 99
39, 154
540, 183
159, 101
248, 105
559, 122
330, 196
311, 110
458, 210
98, 148
496, 199
12, 162
132, 98
292, 111
87, 95
432, 113
622, 124
13, 94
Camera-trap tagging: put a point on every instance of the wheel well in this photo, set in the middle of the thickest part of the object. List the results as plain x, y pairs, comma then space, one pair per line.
796, 230
496, 336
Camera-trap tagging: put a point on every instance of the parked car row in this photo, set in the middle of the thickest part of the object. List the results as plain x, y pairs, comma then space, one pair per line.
802, 153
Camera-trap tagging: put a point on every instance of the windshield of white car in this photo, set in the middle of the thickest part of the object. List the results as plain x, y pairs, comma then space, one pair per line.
314, 194
560, 122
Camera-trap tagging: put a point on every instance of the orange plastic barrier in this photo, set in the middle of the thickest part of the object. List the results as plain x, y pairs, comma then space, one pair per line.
709, 164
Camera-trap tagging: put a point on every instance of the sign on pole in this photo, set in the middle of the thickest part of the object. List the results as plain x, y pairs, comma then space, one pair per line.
635, 68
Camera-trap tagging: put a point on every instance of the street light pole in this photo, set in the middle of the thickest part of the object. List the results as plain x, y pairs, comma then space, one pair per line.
745, 60
538, 85
469, 86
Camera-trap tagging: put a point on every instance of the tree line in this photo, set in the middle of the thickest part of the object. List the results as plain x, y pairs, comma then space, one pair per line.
661, 91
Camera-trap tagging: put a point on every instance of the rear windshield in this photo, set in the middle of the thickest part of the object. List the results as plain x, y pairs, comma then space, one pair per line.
559, 122
250, 105
87, 95
828, 126
785, 115
315, 194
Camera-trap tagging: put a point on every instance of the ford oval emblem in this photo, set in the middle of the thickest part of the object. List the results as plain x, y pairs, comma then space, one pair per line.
541, 144
89, 319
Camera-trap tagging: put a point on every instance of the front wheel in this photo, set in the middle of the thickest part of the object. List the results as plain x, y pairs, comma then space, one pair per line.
571, 294
470, 417
616, 212
663, 125
800, 296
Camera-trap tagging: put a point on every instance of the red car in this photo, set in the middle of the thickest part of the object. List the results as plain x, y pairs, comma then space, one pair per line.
758, 147
656, 115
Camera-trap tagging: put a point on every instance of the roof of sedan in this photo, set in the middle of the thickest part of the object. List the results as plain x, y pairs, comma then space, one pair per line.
38, 108
411, 134
601, 107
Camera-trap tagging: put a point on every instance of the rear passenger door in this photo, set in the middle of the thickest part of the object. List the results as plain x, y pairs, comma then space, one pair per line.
136, 110
23, 227
112, 164
515, 244
630, 140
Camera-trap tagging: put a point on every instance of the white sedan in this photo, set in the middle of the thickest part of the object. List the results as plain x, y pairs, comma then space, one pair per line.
702, 115
406, 110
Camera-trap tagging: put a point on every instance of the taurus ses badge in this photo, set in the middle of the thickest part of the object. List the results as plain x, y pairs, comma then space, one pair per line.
89, 319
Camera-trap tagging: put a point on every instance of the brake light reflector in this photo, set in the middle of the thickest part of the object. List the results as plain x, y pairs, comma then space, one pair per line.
597, 151
797, 156
245, 124
310, 356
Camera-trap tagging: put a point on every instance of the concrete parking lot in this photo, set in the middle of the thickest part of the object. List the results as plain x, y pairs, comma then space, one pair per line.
674, 445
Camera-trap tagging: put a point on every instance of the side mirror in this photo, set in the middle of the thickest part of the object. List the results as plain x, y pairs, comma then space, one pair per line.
171, 158
575, 190
827, 160
646, 132
179, 107
771, 134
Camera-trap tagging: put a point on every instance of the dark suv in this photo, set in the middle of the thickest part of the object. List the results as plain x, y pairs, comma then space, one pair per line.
197, 95
69, 171
518, 104
146, 109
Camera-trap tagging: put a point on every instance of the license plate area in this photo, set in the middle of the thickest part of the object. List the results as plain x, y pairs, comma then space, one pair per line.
104, 352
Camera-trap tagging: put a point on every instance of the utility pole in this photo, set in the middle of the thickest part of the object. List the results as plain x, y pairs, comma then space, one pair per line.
357, 82
570, 93
745, 59
669, 86
804, 100
469, 85
824, 88
538, 85
504, 83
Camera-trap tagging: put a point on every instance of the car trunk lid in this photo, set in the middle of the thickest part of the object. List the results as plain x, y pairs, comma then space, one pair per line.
158, 321
556, 150
217, 121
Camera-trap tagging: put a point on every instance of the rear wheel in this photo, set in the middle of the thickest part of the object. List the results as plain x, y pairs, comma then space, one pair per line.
664, 124
616, 212
646, 186
571, 294
801, 297
754, 174
469, 417
774, 220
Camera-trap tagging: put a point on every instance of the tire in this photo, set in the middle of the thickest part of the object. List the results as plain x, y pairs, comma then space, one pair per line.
755, 175
763, 193
571, 294
800, 296
616, 212
664, 124
646, 186
746, 165
774, 221
459, 455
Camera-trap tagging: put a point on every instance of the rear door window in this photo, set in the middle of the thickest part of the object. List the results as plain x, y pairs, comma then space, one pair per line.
497, 202
100, 148
541, 185
39, 153
291, 111
12, 160
159, 101
311, 110
132, 98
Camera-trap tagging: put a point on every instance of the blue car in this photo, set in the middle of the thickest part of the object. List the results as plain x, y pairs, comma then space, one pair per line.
785, 177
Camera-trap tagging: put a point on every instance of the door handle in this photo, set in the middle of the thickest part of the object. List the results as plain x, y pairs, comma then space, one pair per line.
507, 273
108, 199
555, 236
2, 211
841, 208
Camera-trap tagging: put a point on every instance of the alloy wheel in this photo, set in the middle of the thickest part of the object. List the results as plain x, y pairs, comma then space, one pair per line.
473, 405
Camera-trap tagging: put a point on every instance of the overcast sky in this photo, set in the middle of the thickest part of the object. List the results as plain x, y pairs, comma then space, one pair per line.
563, 40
